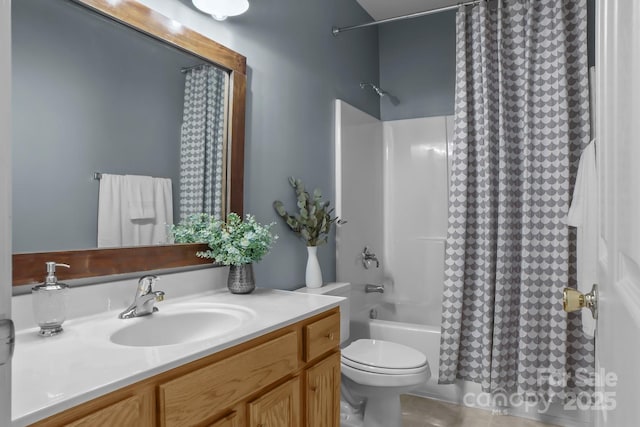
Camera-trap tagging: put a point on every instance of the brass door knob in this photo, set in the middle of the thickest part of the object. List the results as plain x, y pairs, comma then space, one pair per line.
574, 300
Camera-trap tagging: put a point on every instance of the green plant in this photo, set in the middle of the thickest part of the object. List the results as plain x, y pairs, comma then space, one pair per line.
234, 242
196, 228
313, 221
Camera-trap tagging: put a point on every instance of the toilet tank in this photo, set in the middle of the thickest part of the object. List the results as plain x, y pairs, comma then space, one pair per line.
336, 289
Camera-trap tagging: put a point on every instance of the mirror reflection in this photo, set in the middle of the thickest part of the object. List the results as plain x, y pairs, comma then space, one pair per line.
115, 134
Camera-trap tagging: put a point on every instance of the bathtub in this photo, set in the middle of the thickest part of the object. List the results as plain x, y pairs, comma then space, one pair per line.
413, 326
418, 327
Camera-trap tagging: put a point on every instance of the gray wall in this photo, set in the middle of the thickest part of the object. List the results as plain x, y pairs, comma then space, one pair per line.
417, 64
296, 71
88, 95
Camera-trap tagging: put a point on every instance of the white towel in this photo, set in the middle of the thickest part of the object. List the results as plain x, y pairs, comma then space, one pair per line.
116, 227
109, 211
163, 208
140, 196
583, 214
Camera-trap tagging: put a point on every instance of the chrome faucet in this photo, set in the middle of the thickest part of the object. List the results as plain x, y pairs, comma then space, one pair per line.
367, 257
144, 299
374, 288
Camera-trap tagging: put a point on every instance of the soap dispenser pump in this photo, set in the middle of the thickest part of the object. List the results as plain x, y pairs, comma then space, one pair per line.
49, 302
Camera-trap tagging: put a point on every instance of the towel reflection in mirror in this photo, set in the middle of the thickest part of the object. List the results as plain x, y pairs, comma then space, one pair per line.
133, 210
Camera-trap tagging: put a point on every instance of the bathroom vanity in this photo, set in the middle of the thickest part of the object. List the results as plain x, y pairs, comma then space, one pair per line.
278, 366
269, 358
290, 377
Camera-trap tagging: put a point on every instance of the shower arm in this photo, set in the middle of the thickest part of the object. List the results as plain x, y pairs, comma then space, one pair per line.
379, 91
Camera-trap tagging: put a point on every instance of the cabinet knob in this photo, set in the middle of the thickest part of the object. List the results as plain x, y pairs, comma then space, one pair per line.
330, 335
313, 388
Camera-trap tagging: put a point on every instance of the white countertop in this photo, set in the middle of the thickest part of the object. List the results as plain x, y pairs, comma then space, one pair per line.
57, 373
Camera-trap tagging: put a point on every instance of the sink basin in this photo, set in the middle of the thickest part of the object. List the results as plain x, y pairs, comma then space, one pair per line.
181, 324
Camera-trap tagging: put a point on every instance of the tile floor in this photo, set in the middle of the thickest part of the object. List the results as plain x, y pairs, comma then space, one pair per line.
421, 412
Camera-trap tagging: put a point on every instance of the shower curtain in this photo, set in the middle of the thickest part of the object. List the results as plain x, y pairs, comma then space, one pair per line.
202, 142
521, 122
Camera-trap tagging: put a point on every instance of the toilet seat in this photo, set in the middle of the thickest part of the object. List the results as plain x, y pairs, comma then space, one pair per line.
385, 381
383, 357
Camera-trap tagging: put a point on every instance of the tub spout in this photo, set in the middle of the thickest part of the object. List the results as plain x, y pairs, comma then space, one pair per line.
374, 288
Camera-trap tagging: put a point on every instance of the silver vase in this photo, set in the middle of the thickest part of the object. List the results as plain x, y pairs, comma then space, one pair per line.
241, 279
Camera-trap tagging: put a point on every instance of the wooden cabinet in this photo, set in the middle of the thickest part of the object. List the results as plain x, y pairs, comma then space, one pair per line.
278, 408
197, 396
286, 378
232, 420
323, 393
321, 336
126, 413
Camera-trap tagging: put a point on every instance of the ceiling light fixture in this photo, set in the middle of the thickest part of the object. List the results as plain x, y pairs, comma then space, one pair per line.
221, 9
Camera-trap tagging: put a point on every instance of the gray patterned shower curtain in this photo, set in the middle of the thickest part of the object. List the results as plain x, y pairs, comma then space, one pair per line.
521, 122
202, 142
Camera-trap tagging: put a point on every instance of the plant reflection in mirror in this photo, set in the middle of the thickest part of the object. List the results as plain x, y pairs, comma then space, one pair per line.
231, 242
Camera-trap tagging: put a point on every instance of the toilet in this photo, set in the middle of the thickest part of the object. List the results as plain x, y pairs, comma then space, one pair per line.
374, 373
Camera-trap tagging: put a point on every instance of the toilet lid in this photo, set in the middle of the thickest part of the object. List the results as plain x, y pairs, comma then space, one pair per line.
384, 354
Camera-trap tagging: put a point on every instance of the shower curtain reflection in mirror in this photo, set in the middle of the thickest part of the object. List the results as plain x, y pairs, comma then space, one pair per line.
202, 142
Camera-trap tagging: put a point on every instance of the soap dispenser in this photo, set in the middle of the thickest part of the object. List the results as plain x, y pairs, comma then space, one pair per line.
49, 302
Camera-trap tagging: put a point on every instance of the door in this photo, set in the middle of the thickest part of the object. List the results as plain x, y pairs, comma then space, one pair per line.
618, 147
323, 393
278, 408
5, 204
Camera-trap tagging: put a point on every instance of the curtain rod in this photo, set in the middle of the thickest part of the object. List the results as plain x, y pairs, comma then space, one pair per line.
185, 69
337, 30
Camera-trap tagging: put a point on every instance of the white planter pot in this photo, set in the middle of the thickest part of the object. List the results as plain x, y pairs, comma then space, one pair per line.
313, 277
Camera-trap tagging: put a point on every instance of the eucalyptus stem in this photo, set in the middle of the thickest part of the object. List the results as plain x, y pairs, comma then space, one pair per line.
313, 221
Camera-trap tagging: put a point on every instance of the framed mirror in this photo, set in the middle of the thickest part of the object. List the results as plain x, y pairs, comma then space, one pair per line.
108, 95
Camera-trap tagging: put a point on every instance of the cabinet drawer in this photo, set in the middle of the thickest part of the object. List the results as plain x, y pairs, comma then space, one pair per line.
321, 336
126, 413
201, 394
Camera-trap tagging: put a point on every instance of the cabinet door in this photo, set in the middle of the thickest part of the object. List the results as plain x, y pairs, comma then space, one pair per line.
323, 393
278, 408
204, 393
126, 413
232, 420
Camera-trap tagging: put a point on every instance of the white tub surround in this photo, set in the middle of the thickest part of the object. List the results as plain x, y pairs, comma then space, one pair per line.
57, 373
392, 187
359, 182
415, 203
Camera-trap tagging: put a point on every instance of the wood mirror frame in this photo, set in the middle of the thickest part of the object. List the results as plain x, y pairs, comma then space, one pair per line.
29, 267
